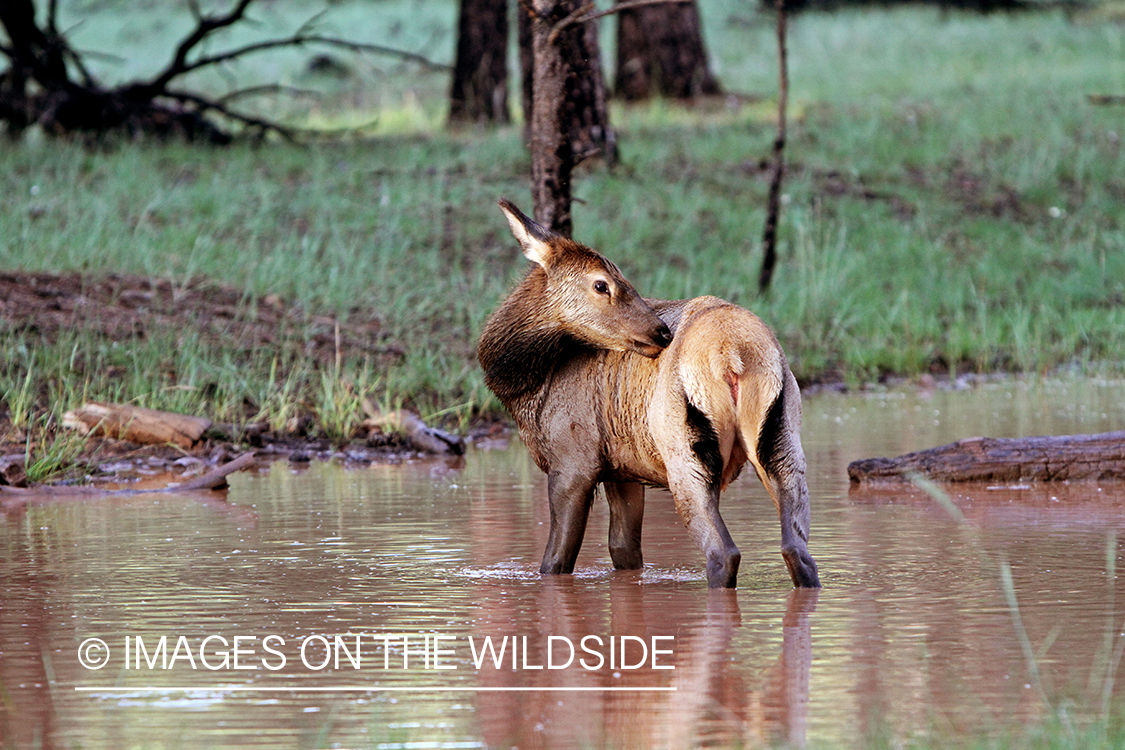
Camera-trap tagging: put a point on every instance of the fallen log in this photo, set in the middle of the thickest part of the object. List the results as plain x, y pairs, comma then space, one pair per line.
1035, 459
216, 479
422, 436
136, 424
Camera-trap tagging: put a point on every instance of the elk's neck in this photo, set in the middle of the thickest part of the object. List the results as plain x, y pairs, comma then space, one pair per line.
521, 346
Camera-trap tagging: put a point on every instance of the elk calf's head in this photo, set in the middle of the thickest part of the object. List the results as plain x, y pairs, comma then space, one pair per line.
585, 295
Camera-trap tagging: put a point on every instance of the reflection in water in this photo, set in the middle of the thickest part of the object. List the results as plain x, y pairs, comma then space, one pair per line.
911, 637
713, 700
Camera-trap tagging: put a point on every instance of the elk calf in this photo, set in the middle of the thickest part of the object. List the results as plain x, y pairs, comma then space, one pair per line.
611, 388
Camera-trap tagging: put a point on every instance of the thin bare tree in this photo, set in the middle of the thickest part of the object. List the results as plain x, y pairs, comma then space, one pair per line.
773, 203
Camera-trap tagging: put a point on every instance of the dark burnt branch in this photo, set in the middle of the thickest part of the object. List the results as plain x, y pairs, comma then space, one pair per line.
47, 82
205, 25
269, 88
299, 40
204, 104
76, 60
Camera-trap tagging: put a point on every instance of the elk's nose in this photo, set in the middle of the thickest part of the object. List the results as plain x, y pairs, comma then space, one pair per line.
663, 336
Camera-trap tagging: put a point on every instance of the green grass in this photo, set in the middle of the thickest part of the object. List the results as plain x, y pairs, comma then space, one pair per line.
953, 204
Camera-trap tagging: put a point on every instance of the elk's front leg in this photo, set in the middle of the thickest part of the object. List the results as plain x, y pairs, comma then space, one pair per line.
626, 513
569, 496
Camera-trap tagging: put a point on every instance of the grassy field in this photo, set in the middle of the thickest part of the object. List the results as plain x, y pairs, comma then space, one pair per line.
953, 204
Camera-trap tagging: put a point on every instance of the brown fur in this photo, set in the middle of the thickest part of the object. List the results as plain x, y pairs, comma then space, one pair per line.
604, 393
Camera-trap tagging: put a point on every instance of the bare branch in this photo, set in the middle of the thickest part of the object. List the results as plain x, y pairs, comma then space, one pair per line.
204, 25
299, 40
204, 104
569, 21
52, 17
310, 24
108, 57
272, 88
76, 61
289, 133
584, 15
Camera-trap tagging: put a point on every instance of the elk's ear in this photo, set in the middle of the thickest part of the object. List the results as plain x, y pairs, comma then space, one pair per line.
534, 239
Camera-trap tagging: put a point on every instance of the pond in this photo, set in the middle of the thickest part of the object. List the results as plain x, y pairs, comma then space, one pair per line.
400, 607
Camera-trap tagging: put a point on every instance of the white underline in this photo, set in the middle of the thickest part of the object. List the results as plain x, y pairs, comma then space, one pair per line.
371, 689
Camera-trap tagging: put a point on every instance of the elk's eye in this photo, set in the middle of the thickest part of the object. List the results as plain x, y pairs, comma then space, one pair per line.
601, 287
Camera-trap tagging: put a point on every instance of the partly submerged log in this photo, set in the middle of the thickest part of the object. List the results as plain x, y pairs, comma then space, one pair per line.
144, 426
1042, 459
216, 479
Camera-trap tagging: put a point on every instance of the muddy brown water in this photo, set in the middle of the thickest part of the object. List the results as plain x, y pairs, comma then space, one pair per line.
913, 636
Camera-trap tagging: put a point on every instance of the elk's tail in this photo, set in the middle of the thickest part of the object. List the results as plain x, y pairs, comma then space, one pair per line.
735, 374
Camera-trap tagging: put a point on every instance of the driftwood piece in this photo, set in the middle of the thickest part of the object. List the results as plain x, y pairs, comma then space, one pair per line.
13, 470
423, 437
1042, 459
138, 425
216, 479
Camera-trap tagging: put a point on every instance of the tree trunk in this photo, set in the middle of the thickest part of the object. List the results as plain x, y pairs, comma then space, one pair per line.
479, 93
660, 52
1043, 459
584, 109
587, 108
564, 104
552, 153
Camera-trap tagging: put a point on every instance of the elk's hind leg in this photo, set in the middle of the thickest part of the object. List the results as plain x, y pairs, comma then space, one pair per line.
782, 462
626, 513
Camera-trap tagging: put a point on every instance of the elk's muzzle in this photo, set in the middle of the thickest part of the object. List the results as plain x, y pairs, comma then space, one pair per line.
657, 341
